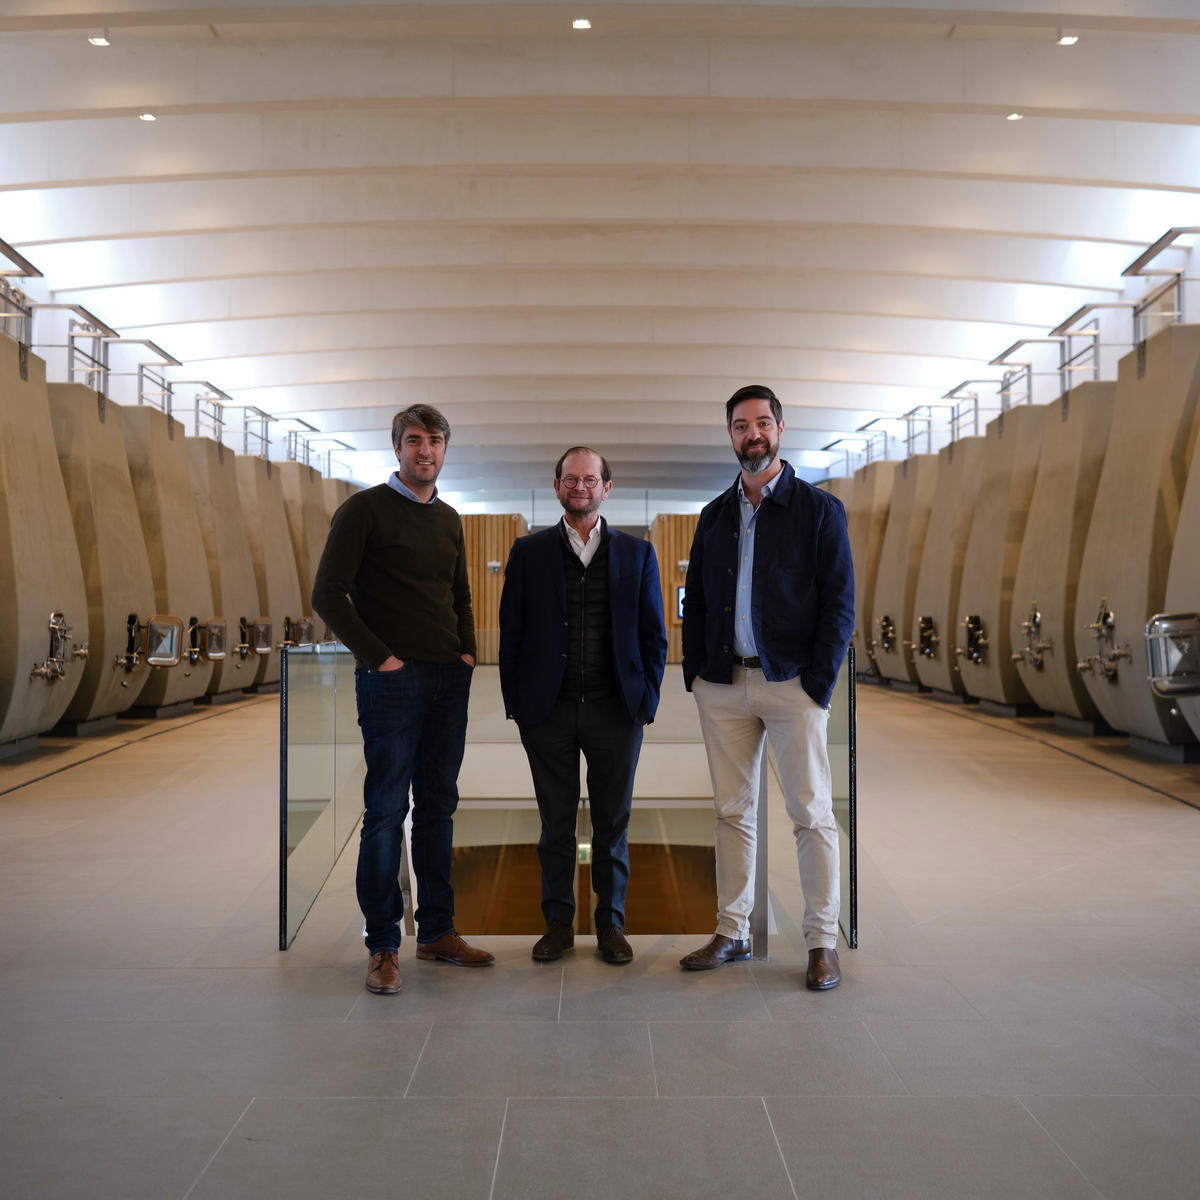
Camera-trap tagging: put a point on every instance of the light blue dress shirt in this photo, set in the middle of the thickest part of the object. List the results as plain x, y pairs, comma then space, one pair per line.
398, 484
743, 626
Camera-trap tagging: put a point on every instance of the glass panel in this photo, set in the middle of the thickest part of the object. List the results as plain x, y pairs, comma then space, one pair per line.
214, 640
497, 878
840, 741
317, 816
164, 641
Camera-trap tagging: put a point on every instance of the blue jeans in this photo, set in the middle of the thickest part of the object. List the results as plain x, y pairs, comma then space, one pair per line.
414, 727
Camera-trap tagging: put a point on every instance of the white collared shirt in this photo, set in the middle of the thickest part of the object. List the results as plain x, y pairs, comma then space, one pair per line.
584, 551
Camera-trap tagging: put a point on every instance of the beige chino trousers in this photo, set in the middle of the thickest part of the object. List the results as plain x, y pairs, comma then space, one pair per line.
736, 720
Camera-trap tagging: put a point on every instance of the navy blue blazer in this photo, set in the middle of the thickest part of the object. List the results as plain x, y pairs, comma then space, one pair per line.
533, 625
801, 593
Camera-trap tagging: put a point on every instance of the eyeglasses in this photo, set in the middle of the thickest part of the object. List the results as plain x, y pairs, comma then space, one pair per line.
570, 482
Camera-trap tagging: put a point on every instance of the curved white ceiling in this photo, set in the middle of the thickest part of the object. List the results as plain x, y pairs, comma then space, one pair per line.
564, 236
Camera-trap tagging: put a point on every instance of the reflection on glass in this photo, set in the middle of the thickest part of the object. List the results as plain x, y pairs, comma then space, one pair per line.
318, 815
840, 741
214, 640
164, 641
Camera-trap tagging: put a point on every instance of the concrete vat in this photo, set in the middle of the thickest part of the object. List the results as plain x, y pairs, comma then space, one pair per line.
158, 465
935, 605
1123, 573
899, 563
1044, 625
1012, 444
271, 552
213, 472
43, 632
89, 434
866, 523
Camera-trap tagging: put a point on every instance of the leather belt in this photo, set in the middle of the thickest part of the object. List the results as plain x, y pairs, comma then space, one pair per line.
751, 664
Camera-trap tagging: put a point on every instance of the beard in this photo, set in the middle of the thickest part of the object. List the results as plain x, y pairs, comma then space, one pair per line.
755, 458
586, 506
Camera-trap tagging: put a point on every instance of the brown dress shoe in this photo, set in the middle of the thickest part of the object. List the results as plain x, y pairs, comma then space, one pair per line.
554, 943
613, 946
383, 973
451, 948
823, 971
716, 953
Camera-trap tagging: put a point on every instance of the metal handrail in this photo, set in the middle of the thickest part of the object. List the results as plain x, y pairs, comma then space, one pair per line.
214, 415
256, 417
297, 440
24, 268
153, 387
922, 412
16, 307
969, 402
329, 460
1143, 260
89, 328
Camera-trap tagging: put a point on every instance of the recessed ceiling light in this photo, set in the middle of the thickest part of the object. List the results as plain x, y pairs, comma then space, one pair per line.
1067, 39
1015, 117
100, 39
147, 117
581, 23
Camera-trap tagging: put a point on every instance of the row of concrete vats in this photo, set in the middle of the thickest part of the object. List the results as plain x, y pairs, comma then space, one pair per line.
139, 568
1053, 563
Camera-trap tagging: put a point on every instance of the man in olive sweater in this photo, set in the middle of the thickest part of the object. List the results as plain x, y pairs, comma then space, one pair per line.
392, 584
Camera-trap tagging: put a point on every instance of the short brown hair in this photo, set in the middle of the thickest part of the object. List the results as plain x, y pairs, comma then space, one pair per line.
753, 391
419, 416
605, 473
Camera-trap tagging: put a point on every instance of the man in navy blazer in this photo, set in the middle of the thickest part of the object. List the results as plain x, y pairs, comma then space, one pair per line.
768, 609
582, 651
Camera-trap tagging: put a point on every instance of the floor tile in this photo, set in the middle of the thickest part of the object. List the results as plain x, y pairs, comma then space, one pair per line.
138, 1149
535, 1059
147, 1058
912, 1148
654, 987
1144, 1146
757, 1058
315, 1149
904, 993
991, 1058
648, 1149
513, 989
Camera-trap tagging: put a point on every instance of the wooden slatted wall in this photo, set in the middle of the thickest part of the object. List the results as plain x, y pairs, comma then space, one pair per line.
489, 537
671, 535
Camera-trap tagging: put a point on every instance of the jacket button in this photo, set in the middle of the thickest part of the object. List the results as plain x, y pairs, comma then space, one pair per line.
724, 649
728, 570
728, 609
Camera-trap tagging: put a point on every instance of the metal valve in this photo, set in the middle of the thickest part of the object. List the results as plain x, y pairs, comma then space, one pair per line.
54, 666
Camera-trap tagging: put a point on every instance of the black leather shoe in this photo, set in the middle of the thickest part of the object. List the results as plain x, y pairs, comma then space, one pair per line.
613, 946
823, 971
716, 953
554, 943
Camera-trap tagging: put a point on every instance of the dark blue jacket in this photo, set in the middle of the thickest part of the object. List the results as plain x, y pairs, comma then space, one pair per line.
533, 625
802, 594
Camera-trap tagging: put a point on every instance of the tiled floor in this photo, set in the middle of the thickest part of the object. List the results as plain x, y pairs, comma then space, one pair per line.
1022, 1018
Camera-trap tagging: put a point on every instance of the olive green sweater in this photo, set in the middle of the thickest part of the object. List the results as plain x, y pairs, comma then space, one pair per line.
393, 579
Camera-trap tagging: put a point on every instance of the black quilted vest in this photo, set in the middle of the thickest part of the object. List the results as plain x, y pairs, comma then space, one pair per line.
589, 670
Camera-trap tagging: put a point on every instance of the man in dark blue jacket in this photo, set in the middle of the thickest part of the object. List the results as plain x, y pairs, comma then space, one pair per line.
768, 611
582, 651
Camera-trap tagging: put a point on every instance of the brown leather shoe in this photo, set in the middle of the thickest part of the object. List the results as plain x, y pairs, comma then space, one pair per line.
716, 953
383, 973
613, 946
554, 943
451, 948
823, 971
